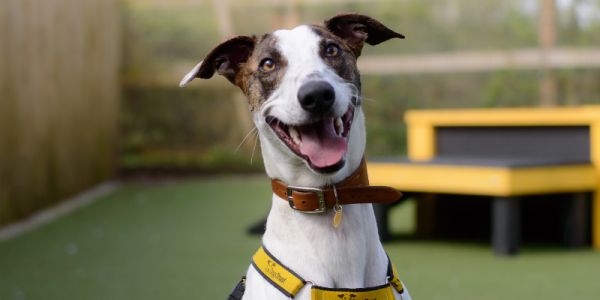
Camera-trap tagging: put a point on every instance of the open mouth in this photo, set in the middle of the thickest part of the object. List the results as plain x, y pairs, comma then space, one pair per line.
323, 144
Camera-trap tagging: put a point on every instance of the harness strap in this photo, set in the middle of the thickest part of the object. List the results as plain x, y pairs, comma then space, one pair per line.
290, 283
382, 292
238, 291
393, 278
278, 275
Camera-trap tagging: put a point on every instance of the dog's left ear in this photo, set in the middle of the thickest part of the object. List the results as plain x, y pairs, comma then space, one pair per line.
226, 59
357, 29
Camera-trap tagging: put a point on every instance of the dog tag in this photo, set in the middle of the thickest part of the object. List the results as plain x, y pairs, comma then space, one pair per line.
337, 218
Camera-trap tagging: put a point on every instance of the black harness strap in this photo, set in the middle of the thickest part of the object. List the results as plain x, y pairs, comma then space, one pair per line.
238, 291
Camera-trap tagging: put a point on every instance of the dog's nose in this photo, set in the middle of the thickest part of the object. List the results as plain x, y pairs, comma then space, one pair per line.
316, 96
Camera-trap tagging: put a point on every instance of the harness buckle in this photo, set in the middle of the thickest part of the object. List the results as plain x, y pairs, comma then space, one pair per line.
320, 197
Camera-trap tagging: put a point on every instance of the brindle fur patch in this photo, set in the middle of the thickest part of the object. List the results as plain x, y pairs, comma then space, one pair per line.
256, 84
344, 64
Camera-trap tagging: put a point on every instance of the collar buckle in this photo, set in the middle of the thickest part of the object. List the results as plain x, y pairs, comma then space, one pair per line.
320, 198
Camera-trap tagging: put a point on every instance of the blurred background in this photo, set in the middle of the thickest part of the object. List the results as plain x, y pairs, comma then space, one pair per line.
458, 53
89, 93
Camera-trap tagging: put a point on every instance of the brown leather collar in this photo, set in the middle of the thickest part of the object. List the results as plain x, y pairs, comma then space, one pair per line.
352, 190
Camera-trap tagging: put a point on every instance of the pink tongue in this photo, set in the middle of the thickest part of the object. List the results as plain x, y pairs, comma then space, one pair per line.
321, 144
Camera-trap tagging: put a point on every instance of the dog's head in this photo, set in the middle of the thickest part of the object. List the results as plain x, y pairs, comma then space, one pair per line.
303, 88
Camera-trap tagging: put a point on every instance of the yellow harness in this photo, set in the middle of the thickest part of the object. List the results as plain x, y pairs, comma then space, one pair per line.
289, 283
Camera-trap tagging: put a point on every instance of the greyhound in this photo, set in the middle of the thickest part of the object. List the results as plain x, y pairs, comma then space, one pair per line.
304, 91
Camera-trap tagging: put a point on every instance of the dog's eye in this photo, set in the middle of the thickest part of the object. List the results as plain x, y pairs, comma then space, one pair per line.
332, 50
267, 65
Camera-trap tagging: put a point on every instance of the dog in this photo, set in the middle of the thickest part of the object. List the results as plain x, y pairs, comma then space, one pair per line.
304, 91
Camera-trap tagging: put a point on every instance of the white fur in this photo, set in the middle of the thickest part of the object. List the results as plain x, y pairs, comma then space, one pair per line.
190, 75
350, 256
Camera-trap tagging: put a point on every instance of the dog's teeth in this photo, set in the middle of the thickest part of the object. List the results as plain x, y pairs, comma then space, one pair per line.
294, 135
339, 126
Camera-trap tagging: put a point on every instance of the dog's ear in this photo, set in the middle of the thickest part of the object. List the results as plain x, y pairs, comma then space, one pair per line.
357, 29
226, 59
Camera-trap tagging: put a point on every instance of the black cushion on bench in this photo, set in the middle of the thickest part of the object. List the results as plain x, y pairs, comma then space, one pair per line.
508, 146
530, 142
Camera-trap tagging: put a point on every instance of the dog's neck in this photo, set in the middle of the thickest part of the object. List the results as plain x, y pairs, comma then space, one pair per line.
347, 256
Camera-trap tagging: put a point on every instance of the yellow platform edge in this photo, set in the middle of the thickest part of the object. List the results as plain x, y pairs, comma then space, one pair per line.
581, 115
487, 181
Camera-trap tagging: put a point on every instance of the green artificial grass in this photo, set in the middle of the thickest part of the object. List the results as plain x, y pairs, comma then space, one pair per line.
186, 240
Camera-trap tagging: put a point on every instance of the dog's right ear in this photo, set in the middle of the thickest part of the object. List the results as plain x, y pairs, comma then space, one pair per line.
357, 29
226, 59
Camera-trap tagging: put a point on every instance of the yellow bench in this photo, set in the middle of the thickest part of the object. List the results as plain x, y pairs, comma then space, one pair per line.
506, 154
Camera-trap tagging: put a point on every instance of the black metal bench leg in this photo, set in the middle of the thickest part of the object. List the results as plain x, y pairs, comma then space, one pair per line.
381, 216
576, 221
506, 225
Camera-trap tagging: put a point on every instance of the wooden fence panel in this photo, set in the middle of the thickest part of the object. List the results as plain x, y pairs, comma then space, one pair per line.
59, 92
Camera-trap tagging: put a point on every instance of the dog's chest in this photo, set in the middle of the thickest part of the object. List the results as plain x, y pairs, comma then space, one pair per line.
350, 255
291, 283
